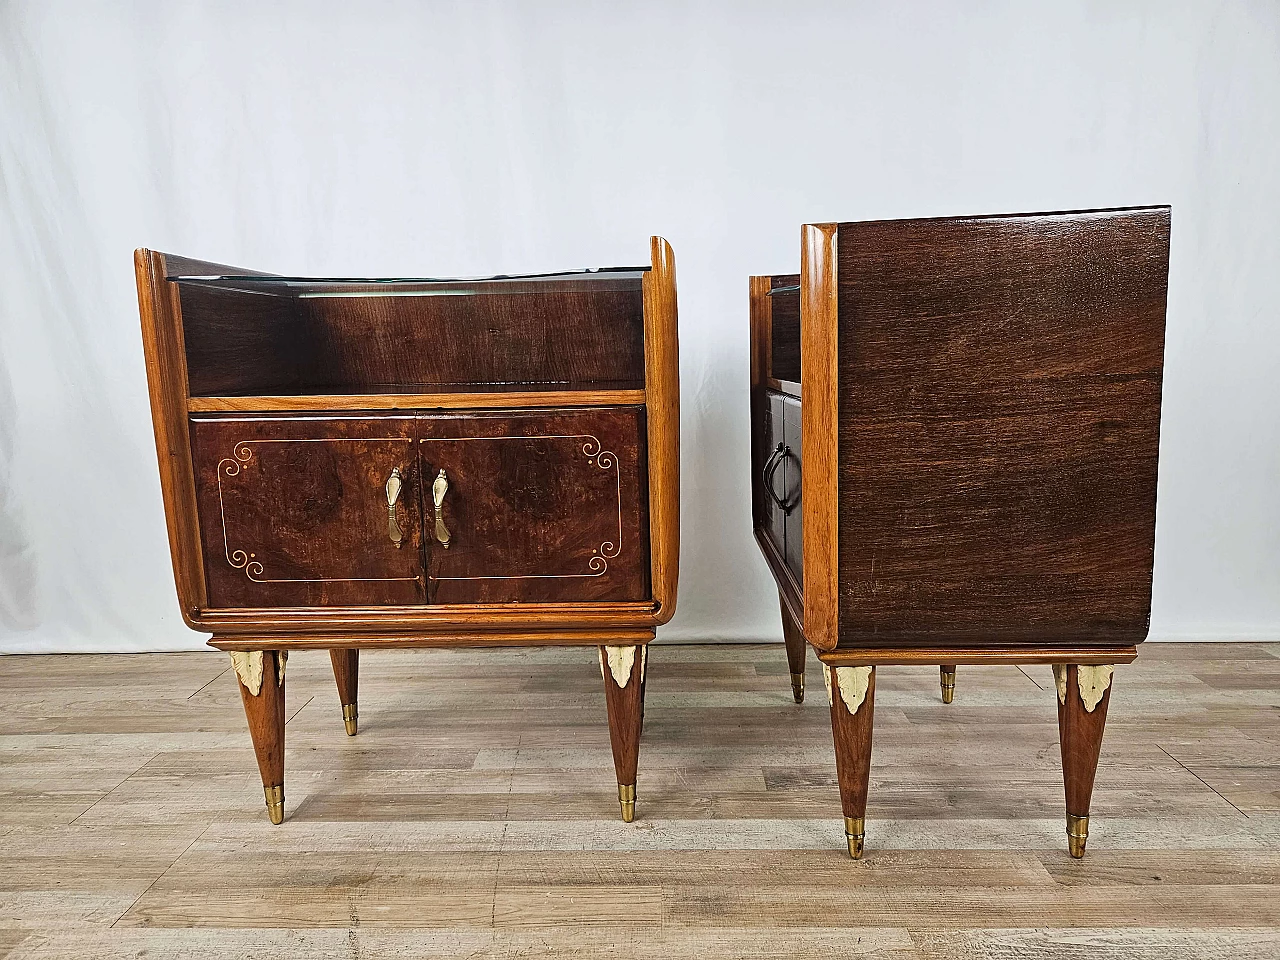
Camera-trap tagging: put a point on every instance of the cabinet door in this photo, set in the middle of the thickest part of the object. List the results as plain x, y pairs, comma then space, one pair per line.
308, 511
791, 486
772, 471
535, 506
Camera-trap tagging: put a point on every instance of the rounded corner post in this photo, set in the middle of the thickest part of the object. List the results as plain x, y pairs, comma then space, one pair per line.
820, 431
662, 404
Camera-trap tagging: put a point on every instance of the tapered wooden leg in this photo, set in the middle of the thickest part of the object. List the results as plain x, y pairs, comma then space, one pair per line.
261, 678
346, 671
793, 637
948, 673
852, 693
1084, 693
623, 672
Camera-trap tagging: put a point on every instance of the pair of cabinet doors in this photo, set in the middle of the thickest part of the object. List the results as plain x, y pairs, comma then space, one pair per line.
420, 507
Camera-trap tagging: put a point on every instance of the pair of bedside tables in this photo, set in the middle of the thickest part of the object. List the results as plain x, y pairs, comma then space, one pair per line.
362, 464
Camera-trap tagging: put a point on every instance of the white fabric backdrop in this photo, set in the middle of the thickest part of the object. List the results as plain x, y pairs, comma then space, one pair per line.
471, 138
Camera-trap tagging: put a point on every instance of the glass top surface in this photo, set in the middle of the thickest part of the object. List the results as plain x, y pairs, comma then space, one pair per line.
597, 279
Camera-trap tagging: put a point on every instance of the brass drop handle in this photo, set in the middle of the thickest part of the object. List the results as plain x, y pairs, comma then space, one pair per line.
438, 490
395, 483
780, 453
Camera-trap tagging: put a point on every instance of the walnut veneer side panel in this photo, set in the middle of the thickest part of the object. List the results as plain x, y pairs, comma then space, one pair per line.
999, 409
662, 393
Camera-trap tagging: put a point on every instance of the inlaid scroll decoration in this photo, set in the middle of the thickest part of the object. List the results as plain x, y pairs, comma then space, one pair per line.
242, 454
597, 456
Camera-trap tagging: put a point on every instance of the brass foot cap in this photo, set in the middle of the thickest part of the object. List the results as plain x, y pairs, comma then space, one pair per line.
1077, 835
853, 835
797, 687
627, 800
350, 717
948, 685
275, 803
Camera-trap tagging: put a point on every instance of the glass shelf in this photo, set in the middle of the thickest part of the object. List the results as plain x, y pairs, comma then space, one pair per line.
595, 280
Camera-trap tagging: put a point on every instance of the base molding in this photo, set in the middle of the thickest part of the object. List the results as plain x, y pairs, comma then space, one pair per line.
595, 636
977, 656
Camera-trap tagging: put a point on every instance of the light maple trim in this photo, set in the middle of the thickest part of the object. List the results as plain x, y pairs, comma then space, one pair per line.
455, 638
533, 617
662, 388
166, 362
819, 443
419, 401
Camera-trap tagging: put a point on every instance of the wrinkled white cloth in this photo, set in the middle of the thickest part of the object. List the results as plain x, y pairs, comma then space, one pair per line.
461, 139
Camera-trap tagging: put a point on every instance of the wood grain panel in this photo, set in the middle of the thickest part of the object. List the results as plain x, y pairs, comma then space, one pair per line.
784, 330
490, 400
999, 408
544, 332
759, 320
662, 388
294, 512
819, 332
540, 507
979, 656
162, 345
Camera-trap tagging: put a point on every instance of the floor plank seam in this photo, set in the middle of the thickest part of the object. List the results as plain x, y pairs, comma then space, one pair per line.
106, 795
1204, 781
196, 839
1034, 681
210, 683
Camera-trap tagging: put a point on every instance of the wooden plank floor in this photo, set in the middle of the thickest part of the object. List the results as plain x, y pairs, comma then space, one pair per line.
475, 814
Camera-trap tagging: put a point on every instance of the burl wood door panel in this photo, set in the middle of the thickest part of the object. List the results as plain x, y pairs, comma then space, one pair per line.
294, 511
540, 506
999, 409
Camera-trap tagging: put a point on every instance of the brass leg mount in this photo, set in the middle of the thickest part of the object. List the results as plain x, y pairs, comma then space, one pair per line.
1077, 834
627, 800
797, 687
853, 834
948, 685
349, 717
275, 803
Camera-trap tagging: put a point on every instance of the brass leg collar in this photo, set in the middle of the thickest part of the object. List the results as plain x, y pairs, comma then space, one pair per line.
627, 800
1077, 834
853, 834
948, 685
275, 803
797, 687
349, 716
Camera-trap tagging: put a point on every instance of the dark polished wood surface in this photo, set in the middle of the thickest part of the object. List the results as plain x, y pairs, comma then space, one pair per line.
999, 410
784, 338
546, 507
240, 342
294, 511
981, 412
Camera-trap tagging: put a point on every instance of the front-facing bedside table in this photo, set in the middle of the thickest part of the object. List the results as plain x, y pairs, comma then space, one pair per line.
367, 464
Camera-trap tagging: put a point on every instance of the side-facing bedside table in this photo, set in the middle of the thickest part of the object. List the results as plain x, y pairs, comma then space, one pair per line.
975, 403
